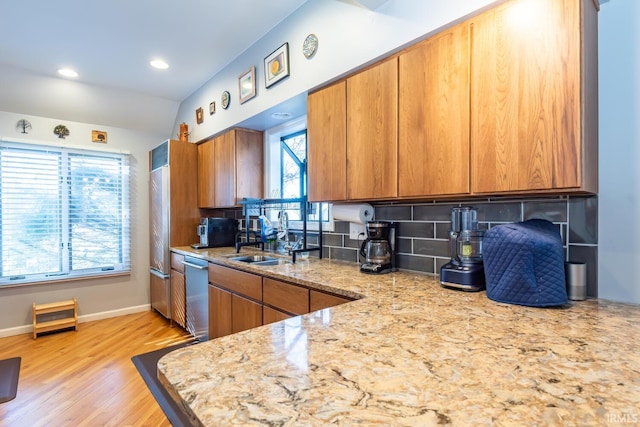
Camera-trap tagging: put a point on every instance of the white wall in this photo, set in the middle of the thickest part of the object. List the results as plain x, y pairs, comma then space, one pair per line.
349, 36
44, 96
96, 297
619, 161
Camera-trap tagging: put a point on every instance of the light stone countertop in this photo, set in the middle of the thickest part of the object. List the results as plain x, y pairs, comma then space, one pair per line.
411, 353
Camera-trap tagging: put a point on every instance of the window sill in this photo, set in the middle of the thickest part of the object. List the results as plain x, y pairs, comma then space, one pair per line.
61, 279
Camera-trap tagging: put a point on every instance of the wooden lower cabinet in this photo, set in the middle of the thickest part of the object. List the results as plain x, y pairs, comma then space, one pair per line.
178, 291
271, 315
245, 314
239, 300
284, 296
319, 300
178, 298
219, 312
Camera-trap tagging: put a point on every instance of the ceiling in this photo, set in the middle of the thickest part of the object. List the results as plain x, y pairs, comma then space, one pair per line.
110, 43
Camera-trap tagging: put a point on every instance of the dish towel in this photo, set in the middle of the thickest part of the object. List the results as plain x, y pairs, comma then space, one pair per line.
524, 264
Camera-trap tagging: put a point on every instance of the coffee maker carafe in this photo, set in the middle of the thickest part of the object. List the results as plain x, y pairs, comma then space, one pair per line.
465, 270
378, 249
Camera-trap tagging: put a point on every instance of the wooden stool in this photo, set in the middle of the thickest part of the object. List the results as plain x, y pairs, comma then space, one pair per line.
54, 325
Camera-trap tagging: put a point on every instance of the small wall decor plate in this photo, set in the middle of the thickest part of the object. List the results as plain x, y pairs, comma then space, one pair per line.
226, 99
99, 136
61, 131
199, 115
310, 45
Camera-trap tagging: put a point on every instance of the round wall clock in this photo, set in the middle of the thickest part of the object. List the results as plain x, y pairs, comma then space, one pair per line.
310, 45
226, 99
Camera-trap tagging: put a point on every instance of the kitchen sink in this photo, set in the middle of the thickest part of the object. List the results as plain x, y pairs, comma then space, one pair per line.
260, 260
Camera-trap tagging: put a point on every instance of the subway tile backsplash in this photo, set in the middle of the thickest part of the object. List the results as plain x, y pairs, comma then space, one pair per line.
423, 229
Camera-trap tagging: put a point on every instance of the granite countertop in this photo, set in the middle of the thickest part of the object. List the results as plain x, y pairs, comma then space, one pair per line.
411, 353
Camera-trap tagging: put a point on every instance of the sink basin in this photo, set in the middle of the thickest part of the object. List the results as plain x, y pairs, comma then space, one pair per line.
253, 258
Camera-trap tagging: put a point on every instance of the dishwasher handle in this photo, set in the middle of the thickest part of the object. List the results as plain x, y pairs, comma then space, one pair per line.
199, 267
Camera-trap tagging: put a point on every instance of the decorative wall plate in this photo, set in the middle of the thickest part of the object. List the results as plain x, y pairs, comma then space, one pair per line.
61, 131
310, 45
226, 99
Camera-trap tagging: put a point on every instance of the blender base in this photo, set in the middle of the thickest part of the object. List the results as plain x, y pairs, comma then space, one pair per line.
463, 277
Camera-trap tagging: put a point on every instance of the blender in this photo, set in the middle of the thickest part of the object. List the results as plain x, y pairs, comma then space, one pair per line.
378, 249
465, 269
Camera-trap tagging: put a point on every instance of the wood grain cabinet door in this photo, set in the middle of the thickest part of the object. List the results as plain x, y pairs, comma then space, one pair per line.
178, 298
206, 177
433, 155
327, 143
372, 132
219, 312
245, 314
525, 97
225, 170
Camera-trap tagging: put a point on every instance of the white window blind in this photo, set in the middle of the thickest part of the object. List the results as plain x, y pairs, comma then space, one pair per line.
63, 213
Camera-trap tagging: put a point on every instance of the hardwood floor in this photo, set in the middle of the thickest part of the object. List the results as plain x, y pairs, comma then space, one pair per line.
86, 377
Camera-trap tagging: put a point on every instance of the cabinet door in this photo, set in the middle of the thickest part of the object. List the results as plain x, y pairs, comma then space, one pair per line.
271, 315
249, 164
225, 170
372, 132
525, 97
245, 314
219, 312
206, 177
178, 298
433, 129
319, 300
327, 143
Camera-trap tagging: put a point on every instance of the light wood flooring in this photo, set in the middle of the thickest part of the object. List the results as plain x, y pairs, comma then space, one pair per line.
86, 377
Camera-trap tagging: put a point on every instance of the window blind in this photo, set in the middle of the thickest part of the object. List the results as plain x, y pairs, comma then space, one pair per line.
63, 213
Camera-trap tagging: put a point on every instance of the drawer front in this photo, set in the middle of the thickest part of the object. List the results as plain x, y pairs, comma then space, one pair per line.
176, 262
236, 281
285, 296
319, 300
271, 315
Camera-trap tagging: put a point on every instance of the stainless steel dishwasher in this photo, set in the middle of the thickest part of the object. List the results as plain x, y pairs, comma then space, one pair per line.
197, 281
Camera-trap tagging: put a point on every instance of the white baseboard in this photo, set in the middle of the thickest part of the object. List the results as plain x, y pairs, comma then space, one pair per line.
27, 329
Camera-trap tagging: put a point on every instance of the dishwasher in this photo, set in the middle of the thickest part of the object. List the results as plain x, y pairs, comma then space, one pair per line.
197, 282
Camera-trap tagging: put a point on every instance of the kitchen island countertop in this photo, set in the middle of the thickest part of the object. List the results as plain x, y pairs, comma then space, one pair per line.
411, 353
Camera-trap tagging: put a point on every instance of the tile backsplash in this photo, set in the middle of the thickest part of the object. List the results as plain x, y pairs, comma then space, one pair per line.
423, 229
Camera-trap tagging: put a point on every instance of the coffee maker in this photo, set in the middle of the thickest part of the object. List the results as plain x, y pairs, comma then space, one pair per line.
216, 232
379, 248
465, 270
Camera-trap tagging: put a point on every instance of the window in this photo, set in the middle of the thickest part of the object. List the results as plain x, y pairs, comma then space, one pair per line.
287, 173
63, 213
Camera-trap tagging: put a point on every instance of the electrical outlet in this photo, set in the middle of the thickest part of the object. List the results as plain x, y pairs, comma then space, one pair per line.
355, 230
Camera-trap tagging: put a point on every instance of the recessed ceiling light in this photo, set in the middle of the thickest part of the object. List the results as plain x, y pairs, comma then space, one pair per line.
281, 116
67, 72
159, 64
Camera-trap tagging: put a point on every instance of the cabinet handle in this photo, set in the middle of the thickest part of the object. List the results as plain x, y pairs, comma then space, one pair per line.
199, 267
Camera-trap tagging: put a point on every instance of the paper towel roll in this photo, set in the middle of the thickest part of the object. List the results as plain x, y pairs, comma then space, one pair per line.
356, 213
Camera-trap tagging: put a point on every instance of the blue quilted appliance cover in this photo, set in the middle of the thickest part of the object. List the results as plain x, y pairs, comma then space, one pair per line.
524, 264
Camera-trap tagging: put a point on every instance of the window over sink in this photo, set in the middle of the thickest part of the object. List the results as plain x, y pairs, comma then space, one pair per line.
64, 213
286, 172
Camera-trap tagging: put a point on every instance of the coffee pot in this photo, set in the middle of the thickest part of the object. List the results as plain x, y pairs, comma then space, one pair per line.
378, 249
465, 269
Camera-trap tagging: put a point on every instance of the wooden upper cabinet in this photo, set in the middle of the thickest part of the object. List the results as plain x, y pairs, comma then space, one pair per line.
533, 123
249, 164
230, 167
184, 218
372, 132
327, 143
433, 155
225, 170
206, 183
